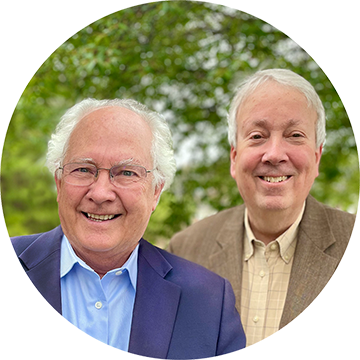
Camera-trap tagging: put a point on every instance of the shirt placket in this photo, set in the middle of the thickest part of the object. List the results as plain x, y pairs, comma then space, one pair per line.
257, 314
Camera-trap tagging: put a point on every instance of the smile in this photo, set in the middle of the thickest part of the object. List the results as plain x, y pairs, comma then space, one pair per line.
276, 179
100, 218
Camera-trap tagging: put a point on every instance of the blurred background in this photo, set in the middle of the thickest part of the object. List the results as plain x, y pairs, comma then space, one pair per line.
183, 59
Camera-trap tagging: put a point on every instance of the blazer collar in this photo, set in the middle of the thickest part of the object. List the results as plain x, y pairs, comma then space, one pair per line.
227, 257
156, 300
156, 305
312, 267
42, 261
314, 237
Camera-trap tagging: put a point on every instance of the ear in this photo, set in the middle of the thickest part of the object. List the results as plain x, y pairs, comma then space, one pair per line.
233, 154
58, 186
318, 154
157, 193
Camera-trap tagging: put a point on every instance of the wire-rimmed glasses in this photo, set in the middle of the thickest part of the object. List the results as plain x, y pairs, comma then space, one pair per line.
85, 174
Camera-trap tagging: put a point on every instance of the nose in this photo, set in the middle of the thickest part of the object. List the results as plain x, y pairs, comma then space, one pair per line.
275, 152
101, 190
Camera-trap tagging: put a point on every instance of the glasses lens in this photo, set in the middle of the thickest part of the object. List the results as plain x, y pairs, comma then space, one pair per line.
79, 174
124, 175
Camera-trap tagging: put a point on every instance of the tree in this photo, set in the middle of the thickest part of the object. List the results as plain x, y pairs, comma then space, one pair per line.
183, 59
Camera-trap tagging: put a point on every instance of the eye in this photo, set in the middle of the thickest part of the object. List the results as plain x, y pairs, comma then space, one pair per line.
83, 170
128, 173
297, 135
80, 170
256, 137
125, 171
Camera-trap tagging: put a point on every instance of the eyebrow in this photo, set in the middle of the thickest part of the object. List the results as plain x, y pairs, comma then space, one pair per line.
263, 123
92, 161
127, 162
81, 160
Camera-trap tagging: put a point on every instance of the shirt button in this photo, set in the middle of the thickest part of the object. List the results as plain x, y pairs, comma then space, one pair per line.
98, 305
262, 273
118, 272
273, 247
255, 319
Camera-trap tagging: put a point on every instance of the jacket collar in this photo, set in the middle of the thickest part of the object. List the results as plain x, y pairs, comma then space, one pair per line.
156, 305
42, 259
314, 237
154, 315
312, 267
227, 258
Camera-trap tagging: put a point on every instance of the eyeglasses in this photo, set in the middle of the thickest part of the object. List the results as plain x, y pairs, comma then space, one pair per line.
85, 174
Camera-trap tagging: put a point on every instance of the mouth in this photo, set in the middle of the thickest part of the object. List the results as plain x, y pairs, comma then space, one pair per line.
275, 179
100, 218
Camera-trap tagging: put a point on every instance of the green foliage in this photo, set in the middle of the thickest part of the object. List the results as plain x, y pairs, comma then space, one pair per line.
183, 59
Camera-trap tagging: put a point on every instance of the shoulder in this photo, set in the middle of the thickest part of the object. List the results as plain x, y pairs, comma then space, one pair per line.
185, 273
329, 228
21, 243
185, 269
200, 240
210, 226
339, 221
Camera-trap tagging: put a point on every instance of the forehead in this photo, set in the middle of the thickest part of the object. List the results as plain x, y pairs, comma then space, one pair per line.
275, 104
111, 134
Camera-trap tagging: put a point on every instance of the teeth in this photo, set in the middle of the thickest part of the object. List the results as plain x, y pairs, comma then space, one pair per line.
275, 179
100, 217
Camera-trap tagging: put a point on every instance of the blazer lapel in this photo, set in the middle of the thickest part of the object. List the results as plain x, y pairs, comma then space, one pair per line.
227, 257
42, 261
155, 307
312, 267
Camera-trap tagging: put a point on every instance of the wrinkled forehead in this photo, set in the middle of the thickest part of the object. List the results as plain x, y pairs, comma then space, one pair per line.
272, 87
113, 132
276, 106
273, 96
110, 118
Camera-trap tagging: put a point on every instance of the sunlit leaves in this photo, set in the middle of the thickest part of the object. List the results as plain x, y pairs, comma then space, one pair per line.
183, 59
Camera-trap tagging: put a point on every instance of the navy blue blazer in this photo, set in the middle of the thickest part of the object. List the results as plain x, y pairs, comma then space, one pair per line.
181, 310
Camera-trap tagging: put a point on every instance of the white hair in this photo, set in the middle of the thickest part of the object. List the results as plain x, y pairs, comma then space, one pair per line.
286, 78
162, 147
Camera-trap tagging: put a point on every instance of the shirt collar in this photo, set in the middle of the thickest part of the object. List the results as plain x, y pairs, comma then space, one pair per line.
286, 241
69, 259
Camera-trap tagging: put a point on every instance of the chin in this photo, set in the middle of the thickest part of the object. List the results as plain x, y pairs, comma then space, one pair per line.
275, 204
98, 243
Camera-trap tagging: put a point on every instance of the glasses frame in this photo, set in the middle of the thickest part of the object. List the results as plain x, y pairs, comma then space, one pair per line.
111, 177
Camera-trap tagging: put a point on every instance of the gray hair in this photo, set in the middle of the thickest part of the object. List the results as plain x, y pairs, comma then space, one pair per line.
162, 147
284, 77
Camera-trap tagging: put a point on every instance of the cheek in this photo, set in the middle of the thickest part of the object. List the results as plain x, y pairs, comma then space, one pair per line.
304, 161
69, 196
135, 199
246, 162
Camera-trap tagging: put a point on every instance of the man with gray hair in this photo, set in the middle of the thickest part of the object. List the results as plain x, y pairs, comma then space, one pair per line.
111, 160
279, 248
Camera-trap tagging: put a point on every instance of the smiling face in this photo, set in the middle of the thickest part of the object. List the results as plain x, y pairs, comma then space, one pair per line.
275, 161
101, 219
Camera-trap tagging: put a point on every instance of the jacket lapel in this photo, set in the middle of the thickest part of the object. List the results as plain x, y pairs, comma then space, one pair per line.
42, 261
227, 257
312, 267
155, 307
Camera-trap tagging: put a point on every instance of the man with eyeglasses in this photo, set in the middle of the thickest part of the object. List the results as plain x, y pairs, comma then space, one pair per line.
111, 160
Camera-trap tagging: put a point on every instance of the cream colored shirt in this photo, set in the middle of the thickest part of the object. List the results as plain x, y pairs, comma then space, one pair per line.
266, 274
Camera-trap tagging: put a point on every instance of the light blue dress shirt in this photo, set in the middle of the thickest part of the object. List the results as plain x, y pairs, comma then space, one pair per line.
102, 308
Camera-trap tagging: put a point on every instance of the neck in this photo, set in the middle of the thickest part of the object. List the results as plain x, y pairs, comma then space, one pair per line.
102, 262
268, 225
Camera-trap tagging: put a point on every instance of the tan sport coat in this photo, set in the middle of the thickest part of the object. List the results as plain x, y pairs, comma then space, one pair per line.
217, 243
